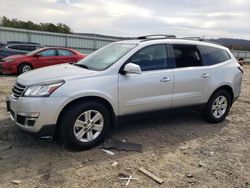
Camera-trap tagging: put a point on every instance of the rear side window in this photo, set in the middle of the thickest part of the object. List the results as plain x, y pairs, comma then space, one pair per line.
151, 58
27, 48
16, 47
65, 53
212, 56
186, 55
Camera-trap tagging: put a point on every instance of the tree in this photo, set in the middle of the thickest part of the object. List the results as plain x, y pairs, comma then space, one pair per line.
15, 23
6, 22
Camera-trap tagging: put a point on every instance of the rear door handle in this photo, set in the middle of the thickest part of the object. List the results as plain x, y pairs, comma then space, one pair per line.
205, 75
165, 79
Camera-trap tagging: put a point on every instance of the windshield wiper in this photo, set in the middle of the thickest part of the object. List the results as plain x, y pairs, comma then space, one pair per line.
81, 65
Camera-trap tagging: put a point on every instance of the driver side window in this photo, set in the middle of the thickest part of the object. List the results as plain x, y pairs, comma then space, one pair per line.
47, 53
151, 58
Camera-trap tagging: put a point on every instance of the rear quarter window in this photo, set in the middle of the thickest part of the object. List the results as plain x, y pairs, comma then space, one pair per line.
212, 56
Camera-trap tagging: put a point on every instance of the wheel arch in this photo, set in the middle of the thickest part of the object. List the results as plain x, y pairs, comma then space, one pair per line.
88, 98
227, 88
23, 63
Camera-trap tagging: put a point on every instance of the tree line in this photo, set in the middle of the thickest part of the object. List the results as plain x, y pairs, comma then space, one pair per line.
50, 27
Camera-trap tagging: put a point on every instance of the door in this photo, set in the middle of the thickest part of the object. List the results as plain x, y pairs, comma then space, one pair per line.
45, 58
150, 90
192, 80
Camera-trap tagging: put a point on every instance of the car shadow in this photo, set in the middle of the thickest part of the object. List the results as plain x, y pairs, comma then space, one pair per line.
21, 151
8, 75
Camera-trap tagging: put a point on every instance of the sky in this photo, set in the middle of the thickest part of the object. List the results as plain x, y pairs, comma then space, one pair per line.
183, 18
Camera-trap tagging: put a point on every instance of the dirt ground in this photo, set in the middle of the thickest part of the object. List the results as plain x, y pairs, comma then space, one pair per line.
183, 150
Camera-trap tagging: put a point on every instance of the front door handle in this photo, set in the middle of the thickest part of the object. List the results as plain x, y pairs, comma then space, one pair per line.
165, 79
205, 75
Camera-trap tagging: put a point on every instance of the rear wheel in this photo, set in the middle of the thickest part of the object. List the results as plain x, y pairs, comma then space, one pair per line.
217, 107
24, 68
84, 125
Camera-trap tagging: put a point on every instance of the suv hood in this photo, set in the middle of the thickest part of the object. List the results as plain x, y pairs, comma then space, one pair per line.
53, 73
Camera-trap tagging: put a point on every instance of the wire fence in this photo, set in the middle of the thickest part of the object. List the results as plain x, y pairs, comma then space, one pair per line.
84, 44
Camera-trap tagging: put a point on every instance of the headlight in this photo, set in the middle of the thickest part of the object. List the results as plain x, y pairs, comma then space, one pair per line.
42, 90
8, 60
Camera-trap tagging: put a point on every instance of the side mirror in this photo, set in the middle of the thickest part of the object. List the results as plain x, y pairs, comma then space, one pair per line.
132, 68
37, 55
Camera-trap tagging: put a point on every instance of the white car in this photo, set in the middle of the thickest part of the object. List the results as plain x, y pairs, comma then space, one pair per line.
81, 102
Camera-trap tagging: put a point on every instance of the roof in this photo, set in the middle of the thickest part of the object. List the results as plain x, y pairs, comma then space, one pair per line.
60, 48
172, 40
63, 48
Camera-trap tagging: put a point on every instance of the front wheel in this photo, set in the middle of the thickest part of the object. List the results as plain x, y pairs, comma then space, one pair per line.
24, 68
217, 107
84, 125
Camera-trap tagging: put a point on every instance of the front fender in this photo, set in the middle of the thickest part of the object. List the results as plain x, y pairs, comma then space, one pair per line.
94, 93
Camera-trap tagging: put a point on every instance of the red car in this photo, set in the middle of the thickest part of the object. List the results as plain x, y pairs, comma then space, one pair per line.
18, 64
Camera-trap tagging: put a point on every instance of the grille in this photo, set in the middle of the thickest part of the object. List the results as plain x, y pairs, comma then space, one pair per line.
17, 90
20, 119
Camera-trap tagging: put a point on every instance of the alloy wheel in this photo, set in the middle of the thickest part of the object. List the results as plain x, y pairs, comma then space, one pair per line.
219, 106
88, 126
26, 68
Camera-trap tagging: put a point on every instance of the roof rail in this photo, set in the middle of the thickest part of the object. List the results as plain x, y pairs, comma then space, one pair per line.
21, 42
194, 38
157, 36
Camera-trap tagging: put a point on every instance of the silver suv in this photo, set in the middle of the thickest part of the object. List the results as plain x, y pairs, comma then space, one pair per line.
81, 102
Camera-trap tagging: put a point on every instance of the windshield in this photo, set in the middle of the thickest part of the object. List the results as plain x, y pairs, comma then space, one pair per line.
106, 56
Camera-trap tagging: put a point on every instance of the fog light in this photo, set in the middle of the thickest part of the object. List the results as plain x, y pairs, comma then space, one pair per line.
27, 118
29, 114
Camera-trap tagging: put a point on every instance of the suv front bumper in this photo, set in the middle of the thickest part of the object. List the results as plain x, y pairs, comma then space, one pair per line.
35, 115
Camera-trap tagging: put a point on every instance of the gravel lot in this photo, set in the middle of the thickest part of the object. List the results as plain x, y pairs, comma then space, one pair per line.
183, 150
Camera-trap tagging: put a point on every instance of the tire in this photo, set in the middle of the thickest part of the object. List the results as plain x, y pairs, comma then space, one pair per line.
217, 107
24, 68
69, 129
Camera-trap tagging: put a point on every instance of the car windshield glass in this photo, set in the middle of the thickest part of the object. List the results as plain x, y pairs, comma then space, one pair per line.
106, 56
